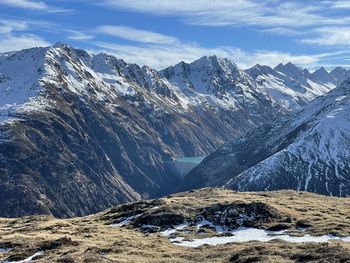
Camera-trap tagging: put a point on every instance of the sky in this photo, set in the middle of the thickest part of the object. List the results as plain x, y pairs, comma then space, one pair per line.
160, 33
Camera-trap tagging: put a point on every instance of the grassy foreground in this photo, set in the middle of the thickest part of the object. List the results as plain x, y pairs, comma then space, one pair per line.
92, 239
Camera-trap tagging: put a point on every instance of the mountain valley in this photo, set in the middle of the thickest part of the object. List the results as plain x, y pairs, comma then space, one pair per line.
81, 132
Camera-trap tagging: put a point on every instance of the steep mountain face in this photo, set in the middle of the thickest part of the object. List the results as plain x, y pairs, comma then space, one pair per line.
339, 74
322, 75
306, 151
81, 132
290, 86
293, 71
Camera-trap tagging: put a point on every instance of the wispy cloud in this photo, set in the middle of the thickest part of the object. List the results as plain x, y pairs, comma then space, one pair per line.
277, 17
33, 5
258, 13
329, 36
14, 43
136, 35
338, 4
14, 35
8, 26
77, 35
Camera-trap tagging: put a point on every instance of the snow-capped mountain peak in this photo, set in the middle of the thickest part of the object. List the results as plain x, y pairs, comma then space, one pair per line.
292, 71
258, 70
289, 85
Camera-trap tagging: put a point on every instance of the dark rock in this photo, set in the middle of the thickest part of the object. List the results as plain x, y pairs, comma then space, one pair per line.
303, 223
278, 227
161, 219
54, 244
253, 214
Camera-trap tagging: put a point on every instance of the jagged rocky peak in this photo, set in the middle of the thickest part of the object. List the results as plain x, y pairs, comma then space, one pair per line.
114, 74
107, 63
60, 45
338, 71
292, 71
306, 73
322, 75
214, 63
258, 70
321, 70
289, 68
339, 74
209, 74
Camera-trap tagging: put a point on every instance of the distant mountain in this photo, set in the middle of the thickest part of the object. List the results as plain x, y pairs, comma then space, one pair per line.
339, 74
298, 74
307, 150
220, 84
81, 132
322, 75
290, 86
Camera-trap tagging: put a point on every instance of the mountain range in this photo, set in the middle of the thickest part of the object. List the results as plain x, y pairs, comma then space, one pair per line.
80, 132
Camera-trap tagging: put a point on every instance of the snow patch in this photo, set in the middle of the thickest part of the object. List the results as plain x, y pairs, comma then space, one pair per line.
29, 259
244, 234
126, 221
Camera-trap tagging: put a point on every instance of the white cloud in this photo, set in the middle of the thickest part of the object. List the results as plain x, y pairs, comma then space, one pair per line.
8, 26
25, 4
278, 17
14, 43
77, 35
339, 4
258, 13
34, 5
134, 34
330, 36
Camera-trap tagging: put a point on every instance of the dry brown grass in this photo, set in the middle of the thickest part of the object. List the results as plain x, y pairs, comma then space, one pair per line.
91, 239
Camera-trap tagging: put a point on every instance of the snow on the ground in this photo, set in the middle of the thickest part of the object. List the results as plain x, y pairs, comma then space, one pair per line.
29, 259
171, 231
126, 221
20, 73
244, 234
239, 235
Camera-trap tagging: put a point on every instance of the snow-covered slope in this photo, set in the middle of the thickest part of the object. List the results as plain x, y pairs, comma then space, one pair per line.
19, 85
291, 86
308, 151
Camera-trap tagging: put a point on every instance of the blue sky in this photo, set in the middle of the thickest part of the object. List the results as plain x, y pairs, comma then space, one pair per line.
160, 33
